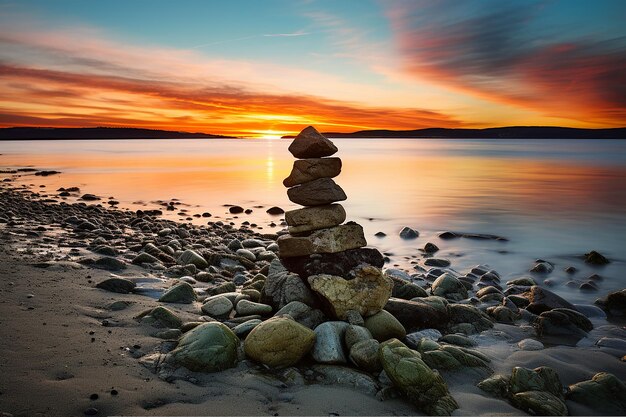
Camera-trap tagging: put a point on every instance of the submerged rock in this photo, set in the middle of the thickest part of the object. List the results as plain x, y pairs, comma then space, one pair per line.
424, 387
209, 347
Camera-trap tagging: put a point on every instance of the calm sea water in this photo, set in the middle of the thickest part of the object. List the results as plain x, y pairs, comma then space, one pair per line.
553, 199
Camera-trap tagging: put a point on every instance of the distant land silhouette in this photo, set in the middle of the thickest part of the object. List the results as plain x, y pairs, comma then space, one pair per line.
25, 133
512, 132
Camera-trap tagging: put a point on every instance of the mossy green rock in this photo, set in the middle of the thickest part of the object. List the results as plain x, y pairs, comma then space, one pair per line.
538, 379
449, 287
384, 326
181, 293
605, 394
539, 403
209, 347
166, 318
279, 342
191, 257
364, 354
497, 385
424, 387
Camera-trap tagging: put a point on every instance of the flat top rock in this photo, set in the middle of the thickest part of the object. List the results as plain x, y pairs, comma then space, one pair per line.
311, 144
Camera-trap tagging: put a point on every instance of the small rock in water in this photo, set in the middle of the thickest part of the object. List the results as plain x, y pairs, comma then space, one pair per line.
430, 248
380, 234
530, 344
275, 210
235, 209
408, 233
595, 258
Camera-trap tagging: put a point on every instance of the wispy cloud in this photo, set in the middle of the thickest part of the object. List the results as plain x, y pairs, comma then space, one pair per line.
497, 53
55, 80
245, 38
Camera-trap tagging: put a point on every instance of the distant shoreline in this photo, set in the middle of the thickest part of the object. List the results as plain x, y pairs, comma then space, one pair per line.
512, 132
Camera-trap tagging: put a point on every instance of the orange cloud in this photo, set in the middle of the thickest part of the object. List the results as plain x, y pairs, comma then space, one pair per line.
496, 54
57, 81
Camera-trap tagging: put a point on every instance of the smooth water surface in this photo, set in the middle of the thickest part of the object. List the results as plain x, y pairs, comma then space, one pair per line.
553, 199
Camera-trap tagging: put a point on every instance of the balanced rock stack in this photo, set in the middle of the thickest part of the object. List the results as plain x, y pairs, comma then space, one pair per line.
328, 255
317, 228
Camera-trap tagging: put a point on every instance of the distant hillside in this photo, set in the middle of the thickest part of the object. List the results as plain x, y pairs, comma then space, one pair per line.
23, 133
513, 132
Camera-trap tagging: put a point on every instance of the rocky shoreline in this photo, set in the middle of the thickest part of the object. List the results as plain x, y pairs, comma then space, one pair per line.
216, 303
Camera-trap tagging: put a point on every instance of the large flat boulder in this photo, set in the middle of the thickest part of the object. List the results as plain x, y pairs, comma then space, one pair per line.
305, 170
314, 218
316, 193
311, 144
333, 240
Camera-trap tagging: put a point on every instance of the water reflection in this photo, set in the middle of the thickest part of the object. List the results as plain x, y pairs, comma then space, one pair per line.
549, 197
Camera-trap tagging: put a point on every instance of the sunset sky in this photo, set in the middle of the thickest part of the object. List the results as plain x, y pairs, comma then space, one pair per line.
268, 68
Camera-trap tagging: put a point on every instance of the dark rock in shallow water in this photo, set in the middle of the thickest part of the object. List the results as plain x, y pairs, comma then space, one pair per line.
430, 248
274, 211
417, 314
442, 263
614, 303
339, 264
468, 319
408, 233
564, 323
118, 285
604, 394
235, 210
543, 300
448, 235
595, 258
